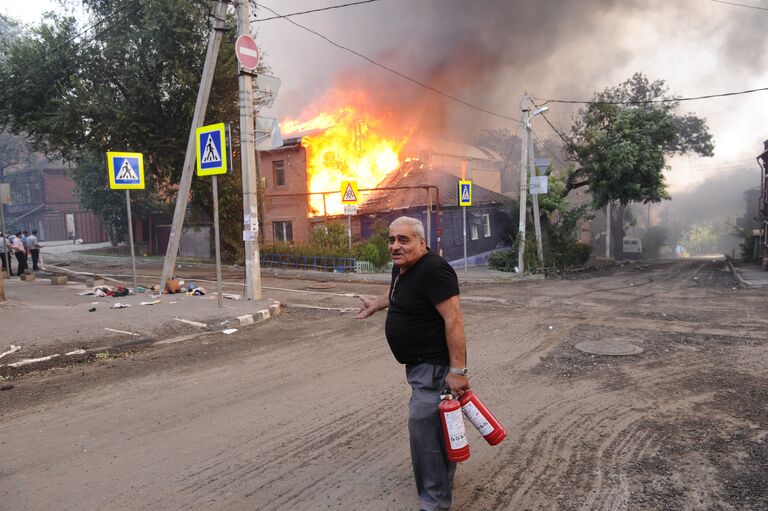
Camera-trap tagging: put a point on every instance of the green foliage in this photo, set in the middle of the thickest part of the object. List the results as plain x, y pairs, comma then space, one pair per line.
747, 242
503, 260
128, 84
563, 251
711, 238
622, 148
375, 250
332, 236
653, 240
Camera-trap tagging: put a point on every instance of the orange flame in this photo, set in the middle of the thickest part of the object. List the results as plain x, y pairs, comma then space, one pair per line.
350, 148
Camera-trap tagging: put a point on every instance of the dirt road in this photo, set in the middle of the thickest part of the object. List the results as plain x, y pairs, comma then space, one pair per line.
308, 411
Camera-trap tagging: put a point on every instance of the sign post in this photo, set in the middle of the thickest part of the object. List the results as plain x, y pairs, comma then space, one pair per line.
126, 172
5, 198
465, 200
212, 160
349, 197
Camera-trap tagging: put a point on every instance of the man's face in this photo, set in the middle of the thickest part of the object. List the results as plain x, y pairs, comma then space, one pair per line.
405, 247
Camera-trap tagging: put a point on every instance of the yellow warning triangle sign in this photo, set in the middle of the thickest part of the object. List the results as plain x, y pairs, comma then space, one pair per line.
349, 192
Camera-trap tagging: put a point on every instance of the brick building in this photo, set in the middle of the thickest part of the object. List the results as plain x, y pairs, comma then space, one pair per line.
44, 199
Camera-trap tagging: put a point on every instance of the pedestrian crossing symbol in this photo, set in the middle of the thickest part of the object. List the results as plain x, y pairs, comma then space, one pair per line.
211, 150
349, 193
465, 193
126, 171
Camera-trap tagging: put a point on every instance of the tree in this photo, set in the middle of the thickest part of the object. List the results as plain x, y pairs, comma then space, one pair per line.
127, 83
653, 240
622, 138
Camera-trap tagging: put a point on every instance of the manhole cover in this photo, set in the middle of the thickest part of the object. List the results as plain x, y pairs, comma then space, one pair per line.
609, 348
322, 285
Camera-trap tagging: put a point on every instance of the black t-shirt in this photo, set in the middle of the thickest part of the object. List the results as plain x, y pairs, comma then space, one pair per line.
415, 329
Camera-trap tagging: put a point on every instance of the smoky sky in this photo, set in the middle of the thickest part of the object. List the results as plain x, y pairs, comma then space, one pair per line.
488, 52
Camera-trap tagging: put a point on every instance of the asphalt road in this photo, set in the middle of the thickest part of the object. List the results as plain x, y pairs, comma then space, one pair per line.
308, 411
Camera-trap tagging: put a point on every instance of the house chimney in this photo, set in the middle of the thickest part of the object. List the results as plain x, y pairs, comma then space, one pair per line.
765, 145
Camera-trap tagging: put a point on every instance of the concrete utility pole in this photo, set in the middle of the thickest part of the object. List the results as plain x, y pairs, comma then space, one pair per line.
248, 165
211, 55
524, 105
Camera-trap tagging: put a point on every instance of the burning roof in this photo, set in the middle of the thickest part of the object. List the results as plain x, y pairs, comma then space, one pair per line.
404, 188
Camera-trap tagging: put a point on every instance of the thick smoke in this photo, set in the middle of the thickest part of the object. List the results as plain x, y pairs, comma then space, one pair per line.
488, 52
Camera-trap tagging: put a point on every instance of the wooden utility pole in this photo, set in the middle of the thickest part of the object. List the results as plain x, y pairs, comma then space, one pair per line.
248, 163
535, 199
203, 92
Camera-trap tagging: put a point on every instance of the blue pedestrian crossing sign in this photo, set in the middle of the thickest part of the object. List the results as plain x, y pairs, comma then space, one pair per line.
211, 150
126, 170
465, 193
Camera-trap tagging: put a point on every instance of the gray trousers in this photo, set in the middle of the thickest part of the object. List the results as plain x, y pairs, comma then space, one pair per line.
431, 468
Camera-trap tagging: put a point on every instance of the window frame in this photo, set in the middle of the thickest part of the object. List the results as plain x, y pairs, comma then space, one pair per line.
278, 169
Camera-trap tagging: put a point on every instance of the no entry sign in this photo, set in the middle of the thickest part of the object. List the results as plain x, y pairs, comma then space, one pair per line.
247, 52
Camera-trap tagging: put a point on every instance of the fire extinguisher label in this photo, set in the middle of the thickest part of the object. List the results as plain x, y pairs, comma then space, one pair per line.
477, 419
456, 432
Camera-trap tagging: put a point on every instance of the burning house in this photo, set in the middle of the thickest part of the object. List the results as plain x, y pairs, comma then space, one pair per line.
302, 179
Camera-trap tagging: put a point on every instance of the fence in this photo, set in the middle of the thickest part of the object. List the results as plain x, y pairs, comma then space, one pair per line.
315, 263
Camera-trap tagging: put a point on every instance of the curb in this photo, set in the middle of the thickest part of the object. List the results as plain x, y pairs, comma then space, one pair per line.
742, 282
248, 319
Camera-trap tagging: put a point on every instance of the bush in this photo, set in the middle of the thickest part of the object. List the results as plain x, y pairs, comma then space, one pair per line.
653, 239
503, 260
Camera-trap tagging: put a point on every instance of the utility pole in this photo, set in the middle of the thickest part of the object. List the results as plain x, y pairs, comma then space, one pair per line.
535, 198
523, 186
248, 163
608, 230
203, 92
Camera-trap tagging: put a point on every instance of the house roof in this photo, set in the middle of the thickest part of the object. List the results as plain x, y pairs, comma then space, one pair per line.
452, 148
413, 175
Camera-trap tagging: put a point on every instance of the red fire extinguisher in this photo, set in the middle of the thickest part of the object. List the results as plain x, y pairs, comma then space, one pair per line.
453, 429
482, 418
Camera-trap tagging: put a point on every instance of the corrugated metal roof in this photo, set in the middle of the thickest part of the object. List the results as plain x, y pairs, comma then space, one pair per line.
415, 175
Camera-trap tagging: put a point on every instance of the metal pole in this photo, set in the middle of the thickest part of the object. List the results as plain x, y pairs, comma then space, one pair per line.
215, 191
349, 232
130, 237
523, 187
248, 167
6, 252
535, 197
464, 215
214, 41
429, 217
608, 230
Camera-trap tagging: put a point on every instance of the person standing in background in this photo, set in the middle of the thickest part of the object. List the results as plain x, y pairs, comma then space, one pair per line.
33, 247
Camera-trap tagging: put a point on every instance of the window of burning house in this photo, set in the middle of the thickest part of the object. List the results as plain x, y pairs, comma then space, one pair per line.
486, 225
278, 172
282, 231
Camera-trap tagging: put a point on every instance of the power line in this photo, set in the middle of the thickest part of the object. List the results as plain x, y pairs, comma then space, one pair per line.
740, 5
393, 71
651, 101
548, 149
277, 16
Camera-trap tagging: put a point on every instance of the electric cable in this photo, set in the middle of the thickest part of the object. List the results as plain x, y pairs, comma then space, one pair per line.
299, 13
393, 71
740, 5
650, 101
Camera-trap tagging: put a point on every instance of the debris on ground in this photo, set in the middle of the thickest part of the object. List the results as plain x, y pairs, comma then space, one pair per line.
106, 291
119, 305
153, 302
229, 331
12, 349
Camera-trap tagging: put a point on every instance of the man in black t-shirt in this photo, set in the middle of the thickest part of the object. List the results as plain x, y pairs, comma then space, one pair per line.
425, 331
